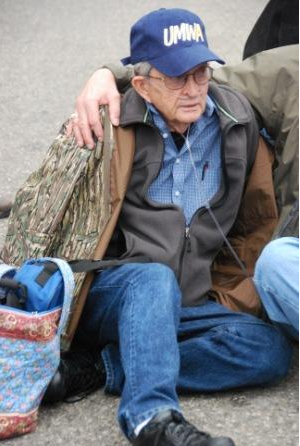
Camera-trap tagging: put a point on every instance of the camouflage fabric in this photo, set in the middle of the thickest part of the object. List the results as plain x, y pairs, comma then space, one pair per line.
63, 207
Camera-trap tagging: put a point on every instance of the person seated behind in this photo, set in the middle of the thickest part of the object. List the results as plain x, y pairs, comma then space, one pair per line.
278, 25
154, 328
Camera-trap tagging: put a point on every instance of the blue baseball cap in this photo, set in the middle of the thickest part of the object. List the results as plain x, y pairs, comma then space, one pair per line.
172, 40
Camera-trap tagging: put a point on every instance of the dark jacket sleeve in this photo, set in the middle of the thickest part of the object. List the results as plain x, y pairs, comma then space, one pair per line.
278, 25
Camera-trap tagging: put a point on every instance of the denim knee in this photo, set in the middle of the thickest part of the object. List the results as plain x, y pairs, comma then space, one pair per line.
157, 279
277, 281
266, 260
156, 271
274, 258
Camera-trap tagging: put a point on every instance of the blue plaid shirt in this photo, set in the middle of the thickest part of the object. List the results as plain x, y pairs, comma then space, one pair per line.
176, 182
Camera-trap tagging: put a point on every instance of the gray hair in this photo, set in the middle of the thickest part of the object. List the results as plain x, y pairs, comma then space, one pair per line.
142, 68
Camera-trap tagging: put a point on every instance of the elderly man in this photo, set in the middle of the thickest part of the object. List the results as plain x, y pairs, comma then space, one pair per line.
156, 325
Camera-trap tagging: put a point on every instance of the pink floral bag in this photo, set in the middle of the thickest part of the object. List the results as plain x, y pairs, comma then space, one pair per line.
30, 344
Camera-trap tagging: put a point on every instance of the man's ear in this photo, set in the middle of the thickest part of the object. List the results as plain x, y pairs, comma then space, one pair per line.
141, 86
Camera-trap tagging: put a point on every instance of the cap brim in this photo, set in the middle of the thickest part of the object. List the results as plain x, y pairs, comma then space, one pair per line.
185, 59
180, 61
126, 60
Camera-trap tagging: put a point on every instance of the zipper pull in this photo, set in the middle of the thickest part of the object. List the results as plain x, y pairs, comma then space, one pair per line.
188, 239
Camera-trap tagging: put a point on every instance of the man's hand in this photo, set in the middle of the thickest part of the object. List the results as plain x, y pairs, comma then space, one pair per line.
100, 89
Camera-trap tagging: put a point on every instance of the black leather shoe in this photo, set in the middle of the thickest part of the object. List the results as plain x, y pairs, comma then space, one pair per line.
78, 375
169, 428
5, 207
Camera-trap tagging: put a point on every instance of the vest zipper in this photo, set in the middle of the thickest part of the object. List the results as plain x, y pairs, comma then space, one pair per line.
188, 239
187, 246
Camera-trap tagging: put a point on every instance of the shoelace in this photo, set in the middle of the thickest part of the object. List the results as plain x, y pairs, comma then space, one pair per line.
186, 433
179, 429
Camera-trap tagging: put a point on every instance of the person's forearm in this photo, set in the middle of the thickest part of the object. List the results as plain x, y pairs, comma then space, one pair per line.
122, 74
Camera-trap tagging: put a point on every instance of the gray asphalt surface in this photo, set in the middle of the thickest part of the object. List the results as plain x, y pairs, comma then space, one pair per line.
48, 48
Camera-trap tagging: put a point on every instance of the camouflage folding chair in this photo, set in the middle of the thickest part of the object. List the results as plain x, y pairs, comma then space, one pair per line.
68, 208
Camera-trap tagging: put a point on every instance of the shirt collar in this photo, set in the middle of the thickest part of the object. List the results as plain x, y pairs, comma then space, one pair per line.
210, 106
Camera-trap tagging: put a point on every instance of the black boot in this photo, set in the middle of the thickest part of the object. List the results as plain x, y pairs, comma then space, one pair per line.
78, 375
5, 207
169, 428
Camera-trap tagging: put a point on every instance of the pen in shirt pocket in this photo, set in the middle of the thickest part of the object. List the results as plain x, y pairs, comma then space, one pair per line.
204, 169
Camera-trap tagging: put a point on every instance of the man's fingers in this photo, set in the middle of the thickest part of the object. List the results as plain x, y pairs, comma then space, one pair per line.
77, 133
99, 90
83, 131
98, 129
73, 129
93, 117
114, 108
86, 135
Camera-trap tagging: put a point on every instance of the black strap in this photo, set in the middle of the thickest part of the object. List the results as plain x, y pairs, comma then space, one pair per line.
14, 287
49, 268
77, 266
84, 266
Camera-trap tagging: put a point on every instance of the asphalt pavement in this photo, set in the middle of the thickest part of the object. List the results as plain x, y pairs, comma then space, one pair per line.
48, 48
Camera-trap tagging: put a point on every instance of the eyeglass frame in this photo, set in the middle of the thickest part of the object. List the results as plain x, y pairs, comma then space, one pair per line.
184, 77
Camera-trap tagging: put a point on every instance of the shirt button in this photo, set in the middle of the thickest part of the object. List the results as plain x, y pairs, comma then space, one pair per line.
177, 193
165, 135
177, 160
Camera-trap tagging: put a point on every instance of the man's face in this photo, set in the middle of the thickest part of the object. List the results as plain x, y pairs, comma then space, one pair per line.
179, 107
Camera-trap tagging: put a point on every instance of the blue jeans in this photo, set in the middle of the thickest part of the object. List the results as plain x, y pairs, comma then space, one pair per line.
152, 347
277, 281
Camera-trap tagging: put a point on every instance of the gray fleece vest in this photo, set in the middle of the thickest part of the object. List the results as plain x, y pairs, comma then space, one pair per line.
158, 230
